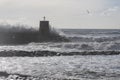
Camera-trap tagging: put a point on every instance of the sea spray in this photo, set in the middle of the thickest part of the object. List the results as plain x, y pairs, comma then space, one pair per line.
15, 35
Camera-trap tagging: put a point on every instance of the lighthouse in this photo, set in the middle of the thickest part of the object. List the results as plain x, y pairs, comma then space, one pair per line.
44, 28
46, 34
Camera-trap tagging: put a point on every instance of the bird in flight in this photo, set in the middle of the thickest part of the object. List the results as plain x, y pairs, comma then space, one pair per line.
88, 11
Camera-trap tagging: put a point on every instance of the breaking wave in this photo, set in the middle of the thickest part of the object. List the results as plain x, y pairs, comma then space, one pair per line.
80, 41
59, 49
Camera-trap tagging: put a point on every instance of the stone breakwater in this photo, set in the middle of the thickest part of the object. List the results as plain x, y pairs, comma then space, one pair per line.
53, 53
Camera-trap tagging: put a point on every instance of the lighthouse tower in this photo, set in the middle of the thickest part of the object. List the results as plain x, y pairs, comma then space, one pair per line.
44, 27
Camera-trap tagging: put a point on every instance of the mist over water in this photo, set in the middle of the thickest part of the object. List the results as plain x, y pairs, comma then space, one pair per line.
20, 34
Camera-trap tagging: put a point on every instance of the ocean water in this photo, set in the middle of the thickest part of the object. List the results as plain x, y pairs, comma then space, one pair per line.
90, 67
80, 40
93, 39
97, 67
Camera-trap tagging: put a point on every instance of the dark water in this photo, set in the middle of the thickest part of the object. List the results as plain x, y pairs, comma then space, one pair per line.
80, 40
94, 39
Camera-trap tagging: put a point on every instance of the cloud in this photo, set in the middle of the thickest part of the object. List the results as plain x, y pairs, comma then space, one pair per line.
62, 13
110, 11
29, 3
15, 21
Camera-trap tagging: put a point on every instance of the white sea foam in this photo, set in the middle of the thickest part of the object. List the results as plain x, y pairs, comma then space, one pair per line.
65, 47
65, 67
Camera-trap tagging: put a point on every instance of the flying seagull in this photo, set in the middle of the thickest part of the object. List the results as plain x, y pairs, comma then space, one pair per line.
88, 11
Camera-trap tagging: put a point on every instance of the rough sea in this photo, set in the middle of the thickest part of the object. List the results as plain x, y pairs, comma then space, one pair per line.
75, 67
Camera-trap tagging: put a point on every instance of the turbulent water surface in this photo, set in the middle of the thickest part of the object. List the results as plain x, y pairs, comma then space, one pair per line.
80, 40
65, 67
97, 67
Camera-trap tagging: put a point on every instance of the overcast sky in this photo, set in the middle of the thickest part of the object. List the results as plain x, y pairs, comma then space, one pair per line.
62, 13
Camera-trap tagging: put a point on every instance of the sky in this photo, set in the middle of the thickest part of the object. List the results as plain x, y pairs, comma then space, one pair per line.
74, 14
